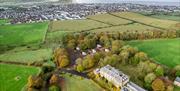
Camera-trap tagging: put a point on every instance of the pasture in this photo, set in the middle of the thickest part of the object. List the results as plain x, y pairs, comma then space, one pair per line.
109, 19
21, 34
28, 56
14, 77
123, 28
163, 51
76, 83
160, 23
75, 25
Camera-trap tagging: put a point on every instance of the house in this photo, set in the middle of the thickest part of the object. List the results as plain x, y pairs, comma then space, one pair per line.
93, 51
116, 77
99, 46
106, 50
84, 53
77, 48
177, 81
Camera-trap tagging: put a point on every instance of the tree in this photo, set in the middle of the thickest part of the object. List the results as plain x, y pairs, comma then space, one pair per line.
71, 44
54, 88
54, 79
63, 61
124, 55
158, 85
35, 82
149, 78
159, 71
116, 45
80, 68
141, 56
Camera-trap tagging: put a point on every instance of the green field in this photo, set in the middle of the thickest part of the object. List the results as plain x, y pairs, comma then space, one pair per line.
131, 27
167, 17
3, 21
20, 34
14, 77
166, 24
109, 19
164, 51
75, 25
76, 83
27, 56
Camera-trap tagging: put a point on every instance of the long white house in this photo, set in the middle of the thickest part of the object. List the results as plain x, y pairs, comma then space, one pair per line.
113, 75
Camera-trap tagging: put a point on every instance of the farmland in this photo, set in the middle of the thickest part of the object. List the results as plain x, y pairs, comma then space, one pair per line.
14, 77
164, 51
75, 25
109, 19
167, 17
131, 27
35, 43
76, 83
22, 33
27, 56
159, 23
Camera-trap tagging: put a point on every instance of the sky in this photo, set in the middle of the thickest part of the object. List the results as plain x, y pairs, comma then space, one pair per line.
129, 0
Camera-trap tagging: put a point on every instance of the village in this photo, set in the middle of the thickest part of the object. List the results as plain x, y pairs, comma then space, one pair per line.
54, 12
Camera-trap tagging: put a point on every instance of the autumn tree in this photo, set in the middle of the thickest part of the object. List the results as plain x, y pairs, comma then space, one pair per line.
80, 68
124, 55
54, 79
158, 85
141, 56
63, 61
71, 44
159, 71
116, 45
35, 82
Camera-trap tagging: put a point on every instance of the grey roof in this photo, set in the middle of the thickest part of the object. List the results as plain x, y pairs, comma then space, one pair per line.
177, 79
138, 88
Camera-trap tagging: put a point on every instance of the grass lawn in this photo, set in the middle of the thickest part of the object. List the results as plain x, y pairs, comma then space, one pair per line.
167, 24
76, 83
3, 21
109, 19
75, 25
123, 28
27, 56
20, 34
14, 77
167, 17
164, 51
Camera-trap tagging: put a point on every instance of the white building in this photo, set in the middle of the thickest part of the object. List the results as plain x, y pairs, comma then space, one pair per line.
116, 77
177, 81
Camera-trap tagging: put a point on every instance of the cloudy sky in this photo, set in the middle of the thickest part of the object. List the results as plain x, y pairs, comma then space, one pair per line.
127, 0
